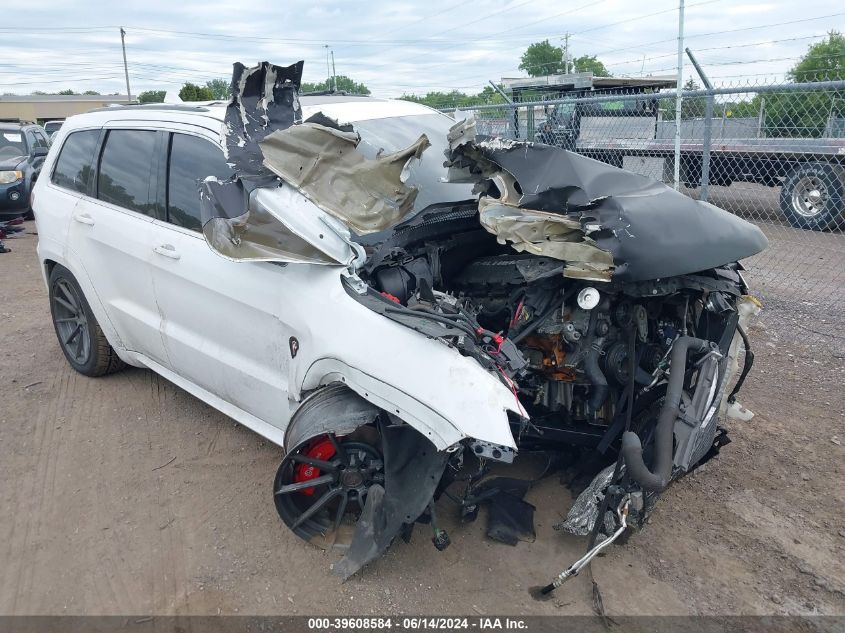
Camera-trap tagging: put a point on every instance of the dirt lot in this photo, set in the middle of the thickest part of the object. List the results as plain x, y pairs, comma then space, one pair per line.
125, 495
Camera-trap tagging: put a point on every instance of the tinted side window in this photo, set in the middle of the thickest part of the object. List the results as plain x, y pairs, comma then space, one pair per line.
126, 168
192, 160
74, 169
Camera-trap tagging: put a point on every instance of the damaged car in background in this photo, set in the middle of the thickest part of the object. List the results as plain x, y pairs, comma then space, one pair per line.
438, 303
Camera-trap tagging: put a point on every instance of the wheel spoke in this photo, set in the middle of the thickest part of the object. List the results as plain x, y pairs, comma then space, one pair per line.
301, 485
70, 308
341, 510
69, 296
66, 319
73, 334
341, 454
317, 506
313, 461
80, 344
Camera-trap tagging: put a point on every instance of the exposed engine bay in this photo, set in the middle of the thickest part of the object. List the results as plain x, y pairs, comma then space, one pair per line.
575, 353
610, 306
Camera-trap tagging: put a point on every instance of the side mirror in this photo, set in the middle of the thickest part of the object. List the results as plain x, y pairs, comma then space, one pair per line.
39, 150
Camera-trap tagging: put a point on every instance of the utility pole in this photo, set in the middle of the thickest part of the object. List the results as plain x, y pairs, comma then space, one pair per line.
125, 67
328, 70
678, 95
334, 73
566, 54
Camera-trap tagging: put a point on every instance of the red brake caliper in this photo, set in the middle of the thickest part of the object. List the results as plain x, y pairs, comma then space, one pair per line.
321, 448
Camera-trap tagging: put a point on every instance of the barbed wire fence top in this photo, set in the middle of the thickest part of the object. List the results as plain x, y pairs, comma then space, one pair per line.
771, 153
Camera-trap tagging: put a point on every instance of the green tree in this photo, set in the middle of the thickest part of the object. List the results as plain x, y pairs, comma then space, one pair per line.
344, 84
542, 58
590, 64
806, 114
824, 61
193, 92
219, 88
151, 96
90, 92
68, 91
457, 99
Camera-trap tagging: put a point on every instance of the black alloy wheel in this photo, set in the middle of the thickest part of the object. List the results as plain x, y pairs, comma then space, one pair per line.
321, 486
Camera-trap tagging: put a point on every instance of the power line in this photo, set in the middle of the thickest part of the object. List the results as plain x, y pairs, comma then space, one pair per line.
59, 81
717, 48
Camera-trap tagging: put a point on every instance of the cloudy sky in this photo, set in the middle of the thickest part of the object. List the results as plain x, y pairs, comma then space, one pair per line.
393, 47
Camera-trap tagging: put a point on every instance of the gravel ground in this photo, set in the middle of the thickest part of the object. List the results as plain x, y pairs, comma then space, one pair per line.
126, 495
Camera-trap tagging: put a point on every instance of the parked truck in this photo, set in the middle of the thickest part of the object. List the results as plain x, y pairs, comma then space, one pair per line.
630, 132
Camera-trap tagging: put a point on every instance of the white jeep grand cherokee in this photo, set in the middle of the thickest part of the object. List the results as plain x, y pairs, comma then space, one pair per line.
312, 267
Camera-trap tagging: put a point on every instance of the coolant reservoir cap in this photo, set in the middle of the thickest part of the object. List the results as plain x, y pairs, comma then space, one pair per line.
588, 298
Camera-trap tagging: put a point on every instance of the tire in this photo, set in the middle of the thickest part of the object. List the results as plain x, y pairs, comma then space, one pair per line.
813, 197
352, 465
80, 336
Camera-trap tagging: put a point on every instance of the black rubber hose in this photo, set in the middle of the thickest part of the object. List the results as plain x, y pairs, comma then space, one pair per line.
433, 317
749, 362
632, 450
598, 381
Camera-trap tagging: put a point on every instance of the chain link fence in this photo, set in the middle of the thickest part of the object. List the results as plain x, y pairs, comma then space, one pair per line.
773, 154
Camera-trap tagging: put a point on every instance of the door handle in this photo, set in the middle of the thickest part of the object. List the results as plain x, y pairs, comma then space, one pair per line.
83, 218
167, 250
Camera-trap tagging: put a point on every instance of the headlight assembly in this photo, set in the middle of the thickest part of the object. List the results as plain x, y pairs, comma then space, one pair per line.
7, 177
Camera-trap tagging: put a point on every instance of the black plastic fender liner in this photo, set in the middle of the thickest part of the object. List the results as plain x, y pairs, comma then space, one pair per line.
632, 450
413, 468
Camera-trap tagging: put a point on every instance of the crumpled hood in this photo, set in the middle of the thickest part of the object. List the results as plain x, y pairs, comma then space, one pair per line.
604, 221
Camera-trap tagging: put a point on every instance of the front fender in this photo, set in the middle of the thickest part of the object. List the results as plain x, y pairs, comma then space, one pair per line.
447, 397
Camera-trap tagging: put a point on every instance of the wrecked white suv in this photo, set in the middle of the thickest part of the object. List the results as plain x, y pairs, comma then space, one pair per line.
396, 301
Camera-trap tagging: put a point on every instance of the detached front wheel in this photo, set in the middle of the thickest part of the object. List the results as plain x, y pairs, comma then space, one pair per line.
321, 486
813, 197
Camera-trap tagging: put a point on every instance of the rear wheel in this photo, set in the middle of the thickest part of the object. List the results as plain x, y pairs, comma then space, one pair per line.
322, 485
813, 197
80, 336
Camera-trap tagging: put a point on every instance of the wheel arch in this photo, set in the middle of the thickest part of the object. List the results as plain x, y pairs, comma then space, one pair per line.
333, 408
49, 264
430, 423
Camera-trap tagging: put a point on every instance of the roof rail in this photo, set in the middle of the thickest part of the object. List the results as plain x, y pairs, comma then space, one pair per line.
179, 107
331, 93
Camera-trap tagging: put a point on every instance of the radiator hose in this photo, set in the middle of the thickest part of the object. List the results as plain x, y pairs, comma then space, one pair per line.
632, 450
598, 381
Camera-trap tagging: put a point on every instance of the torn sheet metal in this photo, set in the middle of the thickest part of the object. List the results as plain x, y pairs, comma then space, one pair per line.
280, 225
650, 230
546, 234
264, 99
322, 161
